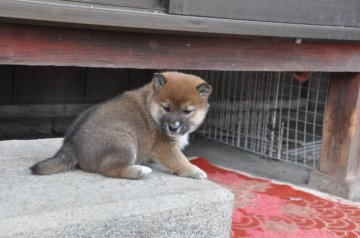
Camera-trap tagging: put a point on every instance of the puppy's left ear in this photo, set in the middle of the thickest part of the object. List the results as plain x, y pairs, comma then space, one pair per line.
158, 81
204, 89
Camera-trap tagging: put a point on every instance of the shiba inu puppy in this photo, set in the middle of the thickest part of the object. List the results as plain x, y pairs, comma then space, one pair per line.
118, 137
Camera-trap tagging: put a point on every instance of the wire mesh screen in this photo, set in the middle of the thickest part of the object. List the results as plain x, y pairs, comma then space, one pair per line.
268, 113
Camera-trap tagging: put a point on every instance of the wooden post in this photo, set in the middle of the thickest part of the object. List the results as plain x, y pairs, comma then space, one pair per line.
340, 155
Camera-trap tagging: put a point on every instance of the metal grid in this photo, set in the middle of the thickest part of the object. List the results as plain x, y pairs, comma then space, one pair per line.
268, 113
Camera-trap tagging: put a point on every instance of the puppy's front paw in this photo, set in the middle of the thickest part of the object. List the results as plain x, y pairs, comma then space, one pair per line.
195, 173
199, 175
142, 171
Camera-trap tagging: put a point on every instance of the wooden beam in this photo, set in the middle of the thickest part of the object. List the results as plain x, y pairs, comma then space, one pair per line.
340, 155
35, 45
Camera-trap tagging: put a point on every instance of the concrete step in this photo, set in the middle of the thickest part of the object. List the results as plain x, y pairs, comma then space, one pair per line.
80, 204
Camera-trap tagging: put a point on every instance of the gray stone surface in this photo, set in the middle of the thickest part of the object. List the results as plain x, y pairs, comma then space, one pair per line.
80, 204
349, 189
229, 157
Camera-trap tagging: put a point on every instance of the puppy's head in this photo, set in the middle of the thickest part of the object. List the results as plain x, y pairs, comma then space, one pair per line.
179, 103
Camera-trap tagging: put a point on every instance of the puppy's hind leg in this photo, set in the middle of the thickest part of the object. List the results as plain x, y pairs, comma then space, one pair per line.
121, 164
127, 171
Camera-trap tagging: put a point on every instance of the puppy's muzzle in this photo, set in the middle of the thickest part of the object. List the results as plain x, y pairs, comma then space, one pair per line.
173, 127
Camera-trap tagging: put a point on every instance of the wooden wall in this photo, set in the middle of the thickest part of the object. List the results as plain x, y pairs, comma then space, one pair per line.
41, 101
49, 84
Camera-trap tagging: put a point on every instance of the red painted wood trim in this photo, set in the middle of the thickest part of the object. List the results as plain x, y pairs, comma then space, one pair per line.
37, 45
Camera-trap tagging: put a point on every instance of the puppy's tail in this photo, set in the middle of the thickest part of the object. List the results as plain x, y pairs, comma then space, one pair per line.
63, 160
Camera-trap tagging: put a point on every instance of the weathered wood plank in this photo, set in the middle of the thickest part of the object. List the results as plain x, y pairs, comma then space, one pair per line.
312, 12
42, 110
25, 128
32, 45
50, 84
340, 155
6, 77
67, 13
103, 83
137, 78
146, 4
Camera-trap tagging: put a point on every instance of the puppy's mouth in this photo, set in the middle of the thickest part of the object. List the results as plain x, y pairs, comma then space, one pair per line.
174, 134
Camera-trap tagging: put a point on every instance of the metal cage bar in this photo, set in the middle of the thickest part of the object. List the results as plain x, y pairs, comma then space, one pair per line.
268, 113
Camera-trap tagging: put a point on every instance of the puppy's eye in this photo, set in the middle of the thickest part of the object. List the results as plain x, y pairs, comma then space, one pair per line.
166, 108
188, 111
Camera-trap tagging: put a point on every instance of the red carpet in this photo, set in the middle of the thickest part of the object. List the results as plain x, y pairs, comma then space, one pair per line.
264, 209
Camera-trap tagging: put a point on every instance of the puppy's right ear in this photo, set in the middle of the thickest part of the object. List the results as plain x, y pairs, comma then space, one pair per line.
158, 81
204, 89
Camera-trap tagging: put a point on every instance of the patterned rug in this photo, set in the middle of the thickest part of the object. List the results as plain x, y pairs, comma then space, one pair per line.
264, 209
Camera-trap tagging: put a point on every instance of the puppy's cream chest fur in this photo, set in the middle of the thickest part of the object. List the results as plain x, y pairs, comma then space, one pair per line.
183, 140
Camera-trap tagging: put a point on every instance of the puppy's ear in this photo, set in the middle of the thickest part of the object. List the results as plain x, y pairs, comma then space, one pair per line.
158, 81
204, 89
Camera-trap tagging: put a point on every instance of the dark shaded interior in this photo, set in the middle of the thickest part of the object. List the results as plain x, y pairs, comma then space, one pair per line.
42, 101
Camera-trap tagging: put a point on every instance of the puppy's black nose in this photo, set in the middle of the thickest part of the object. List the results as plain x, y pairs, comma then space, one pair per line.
174, 126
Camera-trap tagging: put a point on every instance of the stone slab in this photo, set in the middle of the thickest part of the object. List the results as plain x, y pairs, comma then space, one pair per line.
80, 204
337, 186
